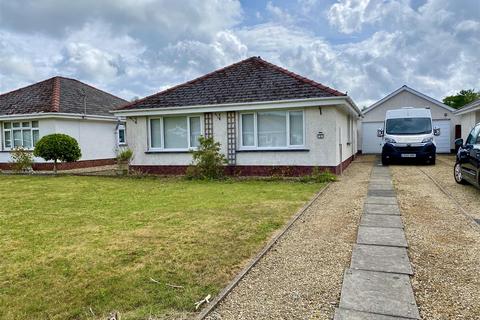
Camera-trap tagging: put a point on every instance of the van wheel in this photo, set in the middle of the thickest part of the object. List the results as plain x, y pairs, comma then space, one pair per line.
385, 161
457, 174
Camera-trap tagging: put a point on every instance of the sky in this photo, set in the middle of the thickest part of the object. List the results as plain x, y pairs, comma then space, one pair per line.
134, 48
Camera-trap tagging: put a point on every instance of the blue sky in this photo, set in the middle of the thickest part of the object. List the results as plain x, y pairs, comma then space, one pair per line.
137, 47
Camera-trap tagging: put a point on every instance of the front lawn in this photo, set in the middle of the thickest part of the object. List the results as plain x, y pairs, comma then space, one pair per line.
81, 247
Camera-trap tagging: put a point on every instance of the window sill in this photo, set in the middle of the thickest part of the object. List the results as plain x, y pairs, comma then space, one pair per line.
275, 150
11, 150
168, 151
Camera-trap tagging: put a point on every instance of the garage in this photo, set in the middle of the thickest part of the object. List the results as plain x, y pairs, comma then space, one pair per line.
443, 116
443, 140
370, 142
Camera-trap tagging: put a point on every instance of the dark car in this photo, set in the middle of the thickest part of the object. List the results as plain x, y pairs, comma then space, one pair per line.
467, 166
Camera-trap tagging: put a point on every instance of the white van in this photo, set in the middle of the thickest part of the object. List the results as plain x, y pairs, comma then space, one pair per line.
408, 133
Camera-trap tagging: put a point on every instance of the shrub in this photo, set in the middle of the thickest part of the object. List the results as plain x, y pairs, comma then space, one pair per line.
208, 162
124, 156
58, 147
22, 160
319, 176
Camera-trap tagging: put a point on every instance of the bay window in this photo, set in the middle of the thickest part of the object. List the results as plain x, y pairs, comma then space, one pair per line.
23, 134
272, 129
174, 132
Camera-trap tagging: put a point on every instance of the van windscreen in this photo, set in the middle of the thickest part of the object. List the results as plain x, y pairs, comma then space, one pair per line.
406, 126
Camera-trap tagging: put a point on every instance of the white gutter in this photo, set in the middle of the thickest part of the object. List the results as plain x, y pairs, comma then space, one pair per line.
279, 104
472, 106
57, 115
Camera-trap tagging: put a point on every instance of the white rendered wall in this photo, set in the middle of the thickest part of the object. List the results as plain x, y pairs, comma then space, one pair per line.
321, 152
469, 120
97, 139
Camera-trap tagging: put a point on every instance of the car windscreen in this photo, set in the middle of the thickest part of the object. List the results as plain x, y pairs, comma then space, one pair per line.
401, 126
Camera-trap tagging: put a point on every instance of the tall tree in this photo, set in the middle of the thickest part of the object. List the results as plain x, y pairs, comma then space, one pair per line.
462, 98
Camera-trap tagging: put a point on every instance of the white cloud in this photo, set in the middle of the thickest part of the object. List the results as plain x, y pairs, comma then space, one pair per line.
160, 20
133, 48
352, 15
279, 14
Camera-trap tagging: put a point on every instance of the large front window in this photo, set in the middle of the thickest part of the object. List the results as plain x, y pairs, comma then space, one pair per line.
174, 132
272, 129
21, 134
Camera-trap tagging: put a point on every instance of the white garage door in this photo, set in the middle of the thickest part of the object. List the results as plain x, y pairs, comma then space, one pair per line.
443, 140
370, 142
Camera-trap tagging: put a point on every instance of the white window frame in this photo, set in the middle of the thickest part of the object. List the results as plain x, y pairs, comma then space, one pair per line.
349, 129
120, 128
255, 131
21, 128
162, 133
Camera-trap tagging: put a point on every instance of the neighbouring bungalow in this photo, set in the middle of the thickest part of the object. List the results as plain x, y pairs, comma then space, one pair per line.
268, 120
443, 117
469, 116
61, 105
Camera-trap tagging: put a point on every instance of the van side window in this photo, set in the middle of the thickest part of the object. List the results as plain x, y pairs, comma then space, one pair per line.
474, 136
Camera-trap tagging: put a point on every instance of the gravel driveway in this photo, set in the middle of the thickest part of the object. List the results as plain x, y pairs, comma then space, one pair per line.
301, 277
467, 195
444, 246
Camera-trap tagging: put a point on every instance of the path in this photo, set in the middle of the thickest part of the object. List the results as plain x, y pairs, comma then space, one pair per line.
377, 285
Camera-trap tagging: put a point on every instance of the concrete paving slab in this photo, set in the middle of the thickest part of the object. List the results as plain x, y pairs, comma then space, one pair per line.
381, 200
377, 174
383, 293
380, 186
381, 220
379, 258
382, 174
345, 314
394, 237
381, 193
389, 209
381, 179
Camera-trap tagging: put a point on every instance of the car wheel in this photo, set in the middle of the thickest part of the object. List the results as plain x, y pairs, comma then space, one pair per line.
457, 174
432, 161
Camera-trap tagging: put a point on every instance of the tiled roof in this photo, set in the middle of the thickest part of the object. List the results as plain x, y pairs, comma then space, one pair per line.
59, 94
250, 80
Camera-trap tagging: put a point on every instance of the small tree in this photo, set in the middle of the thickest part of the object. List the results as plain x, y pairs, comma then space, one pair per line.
208, 162
462, 98
22, 160
57, 147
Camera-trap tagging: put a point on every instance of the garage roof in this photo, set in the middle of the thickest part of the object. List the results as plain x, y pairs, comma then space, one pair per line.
472, 106
412, 91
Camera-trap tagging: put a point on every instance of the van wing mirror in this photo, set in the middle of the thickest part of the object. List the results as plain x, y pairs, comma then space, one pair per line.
380, 133
436, 131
